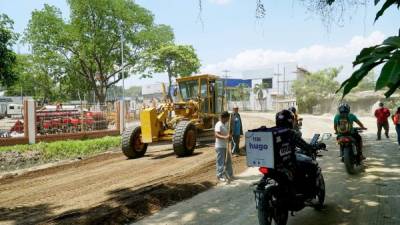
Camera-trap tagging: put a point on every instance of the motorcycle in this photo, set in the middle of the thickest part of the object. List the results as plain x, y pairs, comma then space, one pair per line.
348, 151
277, 193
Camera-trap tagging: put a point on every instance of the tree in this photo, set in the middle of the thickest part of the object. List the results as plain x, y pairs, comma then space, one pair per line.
367, 84
134, 91
315, 87
259, 91
7, 56
387, 53
88, 45
177, 61
31, 81
243, 93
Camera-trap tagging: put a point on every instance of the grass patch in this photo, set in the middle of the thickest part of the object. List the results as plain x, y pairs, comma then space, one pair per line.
67, 149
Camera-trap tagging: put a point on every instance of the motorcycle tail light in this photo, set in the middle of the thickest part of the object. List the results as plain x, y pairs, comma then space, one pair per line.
263, 170
345, 140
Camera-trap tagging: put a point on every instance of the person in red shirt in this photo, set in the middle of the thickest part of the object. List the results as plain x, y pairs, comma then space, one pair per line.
382, 114
396, 122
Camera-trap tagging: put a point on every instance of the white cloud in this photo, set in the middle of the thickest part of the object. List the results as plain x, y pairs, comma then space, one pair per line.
313, 58
220, 2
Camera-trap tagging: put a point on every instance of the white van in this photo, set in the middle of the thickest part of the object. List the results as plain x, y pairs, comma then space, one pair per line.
14, 110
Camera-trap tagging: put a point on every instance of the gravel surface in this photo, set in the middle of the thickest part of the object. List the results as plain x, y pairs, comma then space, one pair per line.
109, 189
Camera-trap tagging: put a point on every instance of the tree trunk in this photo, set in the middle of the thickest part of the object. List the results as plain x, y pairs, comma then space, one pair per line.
169, 84
101, 94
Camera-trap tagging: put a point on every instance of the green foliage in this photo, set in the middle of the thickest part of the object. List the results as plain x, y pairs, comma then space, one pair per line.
315, 87
387, 53
385, 6
67, 149
259, 90
366, 84
134, 91
87, 48
31, 81
7, 56
176, 60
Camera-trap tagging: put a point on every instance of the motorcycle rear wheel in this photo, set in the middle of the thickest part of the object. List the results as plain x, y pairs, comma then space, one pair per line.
320, 192
349, 160
269, 213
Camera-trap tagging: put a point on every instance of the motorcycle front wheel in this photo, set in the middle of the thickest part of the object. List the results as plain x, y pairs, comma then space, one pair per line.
349, 159
269, 211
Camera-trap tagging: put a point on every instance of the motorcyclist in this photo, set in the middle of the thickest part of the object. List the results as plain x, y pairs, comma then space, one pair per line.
343, 125
286, 119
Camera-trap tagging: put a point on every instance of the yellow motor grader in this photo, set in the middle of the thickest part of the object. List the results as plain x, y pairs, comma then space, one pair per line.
184, 122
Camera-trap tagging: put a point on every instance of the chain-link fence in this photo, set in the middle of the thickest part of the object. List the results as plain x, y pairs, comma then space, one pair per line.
11, 120
61, 119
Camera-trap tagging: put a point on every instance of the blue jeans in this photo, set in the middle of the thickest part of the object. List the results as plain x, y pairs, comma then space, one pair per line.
221, 153
235, 144
398, 133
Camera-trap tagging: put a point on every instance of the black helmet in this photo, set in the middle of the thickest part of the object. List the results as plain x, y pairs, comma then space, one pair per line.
285, 119
344, 108
293, 109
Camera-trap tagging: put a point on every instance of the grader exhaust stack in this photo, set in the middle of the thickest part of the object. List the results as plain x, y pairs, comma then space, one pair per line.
201, 100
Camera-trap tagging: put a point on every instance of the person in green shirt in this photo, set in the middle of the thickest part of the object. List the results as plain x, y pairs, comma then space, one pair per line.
343, 125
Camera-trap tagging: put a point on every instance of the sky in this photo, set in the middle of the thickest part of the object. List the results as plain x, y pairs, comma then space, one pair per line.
227, 36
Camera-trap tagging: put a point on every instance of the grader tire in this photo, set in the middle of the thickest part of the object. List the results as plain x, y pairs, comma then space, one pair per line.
132, 146
184, 139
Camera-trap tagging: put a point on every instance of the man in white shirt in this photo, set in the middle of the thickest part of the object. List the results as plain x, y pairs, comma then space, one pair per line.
221, 145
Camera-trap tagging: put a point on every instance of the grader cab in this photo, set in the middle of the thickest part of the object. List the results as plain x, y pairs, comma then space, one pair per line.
185, 122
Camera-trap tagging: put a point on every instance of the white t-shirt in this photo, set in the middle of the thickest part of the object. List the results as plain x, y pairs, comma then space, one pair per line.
220, 127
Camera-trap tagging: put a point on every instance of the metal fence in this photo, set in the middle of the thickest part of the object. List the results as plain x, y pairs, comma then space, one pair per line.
60, 122
11, 127
72, 119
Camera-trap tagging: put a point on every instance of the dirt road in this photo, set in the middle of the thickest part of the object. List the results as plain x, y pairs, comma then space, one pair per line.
371, 197
109, 188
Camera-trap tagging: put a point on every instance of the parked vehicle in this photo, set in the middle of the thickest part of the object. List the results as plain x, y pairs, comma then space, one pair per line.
348, 151
278, 192
14, 110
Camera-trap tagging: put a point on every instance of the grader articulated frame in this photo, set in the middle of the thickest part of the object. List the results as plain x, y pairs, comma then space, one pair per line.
185, 122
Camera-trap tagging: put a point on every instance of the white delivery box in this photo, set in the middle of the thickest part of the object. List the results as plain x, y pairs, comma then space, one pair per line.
260, 149
267, 147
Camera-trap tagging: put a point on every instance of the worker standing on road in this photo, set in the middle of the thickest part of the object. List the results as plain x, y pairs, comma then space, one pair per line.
221, 144
382, 114
396, 121
236, 130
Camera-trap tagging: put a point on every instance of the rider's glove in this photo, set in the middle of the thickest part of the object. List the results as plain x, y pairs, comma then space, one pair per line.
321, 146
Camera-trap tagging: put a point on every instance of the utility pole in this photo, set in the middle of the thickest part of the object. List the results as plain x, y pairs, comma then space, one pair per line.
277, 82
284, 80
225, 82
123, 75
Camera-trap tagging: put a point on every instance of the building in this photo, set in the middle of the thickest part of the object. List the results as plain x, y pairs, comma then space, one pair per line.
276, 85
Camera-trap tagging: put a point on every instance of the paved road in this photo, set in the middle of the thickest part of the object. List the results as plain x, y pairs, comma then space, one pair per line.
371, 197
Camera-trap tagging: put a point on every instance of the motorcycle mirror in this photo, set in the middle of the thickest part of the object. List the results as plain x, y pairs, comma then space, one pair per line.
326, 136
